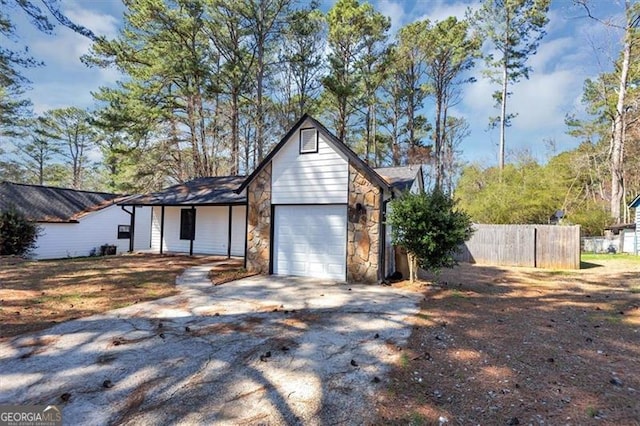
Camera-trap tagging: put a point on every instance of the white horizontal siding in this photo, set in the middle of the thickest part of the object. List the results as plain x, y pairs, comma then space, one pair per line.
212, 230
637, 251
238, 230
155, 229
142, 231
314, 178
171, 238
59, 240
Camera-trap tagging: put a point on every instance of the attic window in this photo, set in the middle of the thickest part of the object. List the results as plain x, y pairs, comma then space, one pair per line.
308, 141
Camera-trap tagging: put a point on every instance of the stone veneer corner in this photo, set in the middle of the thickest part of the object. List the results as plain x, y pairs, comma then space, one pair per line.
259, 222
363, 228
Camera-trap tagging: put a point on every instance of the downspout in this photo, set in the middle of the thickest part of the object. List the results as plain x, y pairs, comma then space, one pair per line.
193, 231
381, 242
161, 228
229, 224
246, 232
132, 224
383, 235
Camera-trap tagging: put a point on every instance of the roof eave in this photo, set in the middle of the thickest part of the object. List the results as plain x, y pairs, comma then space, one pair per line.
226, 203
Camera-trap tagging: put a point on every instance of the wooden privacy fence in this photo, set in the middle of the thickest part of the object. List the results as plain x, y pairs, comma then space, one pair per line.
536, 246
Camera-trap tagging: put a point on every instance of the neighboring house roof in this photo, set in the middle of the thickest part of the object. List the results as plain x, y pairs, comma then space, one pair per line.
619, 227
332, 139
635, 203
219, 190
50, 204
401, 178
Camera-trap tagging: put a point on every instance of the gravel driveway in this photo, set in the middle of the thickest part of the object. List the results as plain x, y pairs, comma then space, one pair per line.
261, 350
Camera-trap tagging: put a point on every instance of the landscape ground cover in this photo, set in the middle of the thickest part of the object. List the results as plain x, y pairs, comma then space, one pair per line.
501, 345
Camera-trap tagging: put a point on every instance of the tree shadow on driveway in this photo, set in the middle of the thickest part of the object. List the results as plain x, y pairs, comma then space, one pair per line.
260, 350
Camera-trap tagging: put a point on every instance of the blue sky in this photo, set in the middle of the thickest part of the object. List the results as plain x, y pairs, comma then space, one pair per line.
575, 48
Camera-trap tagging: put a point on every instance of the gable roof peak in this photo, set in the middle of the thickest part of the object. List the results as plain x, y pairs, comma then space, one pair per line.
333, 140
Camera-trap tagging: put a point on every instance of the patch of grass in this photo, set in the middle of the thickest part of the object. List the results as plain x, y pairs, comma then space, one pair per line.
592, 412
60, 298
613, 319
559, 272
457, 294
635, 290
589, 265
423, 316
417, 419
404, 361
606, 256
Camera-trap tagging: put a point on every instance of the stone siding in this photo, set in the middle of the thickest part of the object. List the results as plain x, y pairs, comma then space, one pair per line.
259, 222
363, 229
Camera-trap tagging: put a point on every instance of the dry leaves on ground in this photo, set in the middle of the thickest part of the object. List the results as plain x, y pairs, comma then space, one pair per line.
37, 294
499, 345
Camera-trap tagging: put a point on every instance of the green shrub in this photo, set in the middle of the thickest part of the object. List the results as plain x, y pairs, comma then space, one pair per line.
17, 235
429, 227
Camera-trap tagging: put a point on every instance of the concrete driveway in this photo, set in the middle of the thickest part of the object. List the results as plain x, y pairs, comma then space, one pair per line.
262, 350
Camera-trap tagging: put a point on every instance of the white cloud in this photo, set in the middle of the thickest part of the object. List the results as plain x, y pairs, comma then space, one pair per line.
65, 47
542, 101
551, 54
65, 80
439, 10
102, 24
394, 11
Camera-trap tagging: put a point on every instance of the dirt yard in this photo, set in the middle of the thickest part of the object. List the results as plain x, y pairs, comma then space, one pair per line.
508, 346
35, 295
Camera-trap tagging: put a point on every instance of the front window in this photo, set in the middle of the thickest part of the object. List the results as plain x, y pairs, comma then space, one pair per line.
124, 232
188, 224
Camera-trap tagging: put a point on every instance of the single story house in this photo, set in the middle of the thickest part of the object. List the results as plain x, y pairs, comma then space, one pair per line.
311, 208
74, 223
635, 204
202, 216
314, 208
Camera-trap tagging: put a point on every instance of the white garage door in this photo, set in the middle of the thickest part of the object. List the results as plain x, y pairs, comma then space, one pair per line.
310, 241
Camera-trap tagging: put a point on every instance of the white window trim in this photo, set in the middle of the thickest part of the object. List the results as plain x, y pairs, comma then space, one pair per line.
317, 140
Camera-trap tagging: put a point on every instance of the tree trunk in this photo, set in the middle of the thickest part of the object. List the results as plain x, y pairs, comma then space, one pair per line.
413, 267
505, 83
235, 137
617, 137
41, 168
368, 136
438, 141
259, 106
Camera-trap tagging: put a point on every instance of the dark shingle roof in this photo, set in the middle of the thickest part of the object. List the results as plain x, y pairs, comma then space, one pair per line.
202, 191
400, 178
51, 204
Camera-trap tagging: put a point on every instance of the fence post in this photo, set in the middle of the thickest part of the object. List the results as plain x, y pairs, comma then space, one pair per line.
535, 247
